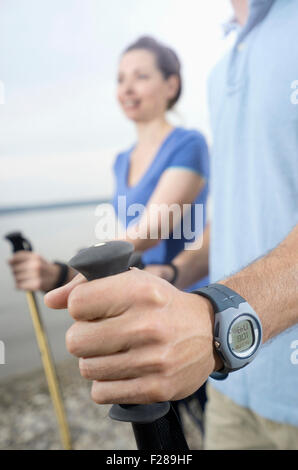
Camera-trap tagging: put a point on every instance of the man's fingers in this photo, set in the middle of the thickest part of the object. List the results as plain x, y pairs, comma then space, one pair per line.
87, 339
92, 300
58, 298
111, 335
145, 390
113, 295
124, 365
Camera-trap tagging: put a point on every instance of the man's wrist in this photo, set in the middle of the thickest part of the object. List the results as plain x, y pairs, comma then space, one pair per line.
206, 305
237, 327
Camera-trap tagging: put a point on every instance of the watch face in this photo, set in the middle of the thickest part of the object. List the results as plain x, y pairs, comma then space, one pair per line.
241, 336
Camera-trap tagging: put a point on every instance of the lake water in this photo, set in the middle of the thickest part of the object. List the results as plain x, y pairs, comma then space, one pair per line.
57, 235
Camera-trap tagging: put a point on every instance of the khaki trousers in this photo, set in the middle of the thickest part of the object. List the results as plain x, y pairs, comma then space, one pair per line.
230, 426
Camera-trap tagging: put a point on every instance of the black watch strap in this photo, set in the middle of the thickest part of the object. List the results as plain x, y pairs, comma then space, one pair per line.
63, 274
221, 297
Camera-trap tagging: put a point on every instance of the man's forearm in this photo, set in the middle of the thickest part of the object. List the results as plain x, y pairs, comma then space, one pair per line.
270, 286
193, 264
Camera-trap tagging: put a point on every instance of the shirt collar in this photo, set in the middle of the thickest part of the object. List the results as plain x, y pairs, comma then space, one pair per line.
258, 9
230, 25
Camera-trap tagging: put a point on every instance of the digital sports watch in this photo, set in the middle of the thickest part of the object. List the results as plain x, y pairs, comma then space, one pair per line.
237, 328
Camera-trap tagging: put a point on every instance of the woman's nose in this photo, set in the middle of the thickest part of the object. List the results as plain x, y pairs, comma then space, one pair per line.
127, 87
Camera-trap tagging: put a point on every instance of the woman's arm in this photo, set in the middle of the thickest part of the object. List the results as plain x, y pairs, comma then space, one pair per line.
192, 264
176, 187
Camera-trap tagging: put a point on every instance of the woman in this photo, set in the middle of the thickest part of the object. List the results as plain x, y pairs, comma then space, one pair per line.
167, 165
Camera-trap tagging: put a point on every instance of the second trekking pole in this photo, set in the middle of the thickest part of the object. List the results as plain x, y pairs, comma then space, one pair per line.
20, 243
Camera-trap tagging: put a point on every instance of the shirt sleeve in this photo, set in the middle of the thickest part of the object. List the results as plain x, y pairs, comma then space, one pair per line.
192, 155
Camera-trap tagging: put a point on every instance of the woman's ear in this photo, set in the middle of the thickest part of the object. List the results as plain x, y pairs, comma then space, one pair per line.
173, 83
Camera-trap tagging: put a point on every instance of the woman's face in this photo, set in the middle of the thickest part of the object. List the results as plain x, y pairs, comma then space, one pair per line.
143, 92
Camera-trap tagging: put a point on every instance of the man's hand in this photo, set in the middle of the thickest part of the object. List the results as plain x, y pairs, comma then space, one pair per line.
32, 272
138, 338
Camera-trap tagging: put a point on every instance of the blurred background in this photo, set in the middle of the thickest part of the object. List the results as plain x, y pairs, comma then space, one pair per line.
60, 130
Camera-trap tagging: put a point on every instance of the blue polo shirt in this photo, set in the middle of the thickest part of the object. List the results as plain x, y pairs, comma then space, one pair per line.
254, 183
182, 148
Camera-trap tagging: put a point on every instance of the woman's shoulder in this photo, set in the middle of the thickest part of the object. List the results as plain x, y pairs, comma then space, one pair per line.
190, 151
191, 139
191, 133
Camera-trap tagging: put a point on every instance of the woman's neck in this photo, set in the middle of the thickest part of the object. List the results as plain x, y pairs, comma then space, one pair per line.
150, 133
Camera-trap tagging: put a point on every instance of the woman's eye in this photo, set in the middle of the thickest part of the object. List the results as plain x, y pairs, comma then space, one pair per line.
143, 76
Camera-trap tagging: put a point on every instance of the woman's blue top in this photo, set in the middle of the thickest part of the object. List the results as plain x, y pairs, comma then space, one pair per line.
182, 148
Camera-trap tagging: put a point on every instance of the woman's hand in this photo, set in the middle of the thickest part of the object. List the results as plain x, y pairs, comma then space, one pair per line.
32, 272
165, 271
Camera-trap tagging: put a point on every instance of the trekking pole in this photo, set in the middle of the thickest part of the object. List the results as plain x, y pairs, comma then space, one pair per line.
20, 243
156, 426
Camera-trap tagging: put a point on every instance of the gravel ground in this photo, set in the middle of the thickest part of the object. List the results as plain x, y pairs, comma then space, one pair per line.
27, 419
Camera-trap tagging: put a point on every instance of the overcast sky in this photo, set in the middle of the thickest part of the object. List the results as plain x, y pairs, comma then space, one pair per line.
60, 125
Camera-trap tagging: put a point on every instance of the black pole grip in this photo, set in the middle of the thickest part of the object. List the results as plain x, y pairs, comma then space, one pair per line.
136, 260
156, 426
18, 242
102, 260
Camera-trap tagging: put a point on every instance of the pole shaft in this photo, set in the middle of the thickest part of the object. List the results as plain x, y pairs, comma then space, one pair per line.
49, 369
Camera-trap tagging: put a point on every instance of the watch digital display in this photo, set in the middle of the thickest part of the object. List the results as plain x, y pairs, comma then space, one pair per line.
241, 336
